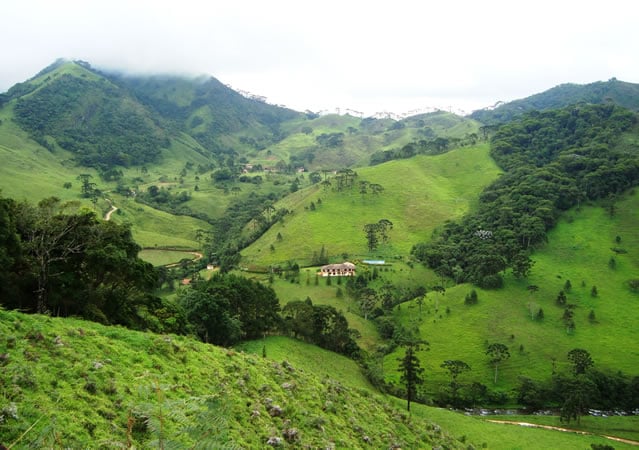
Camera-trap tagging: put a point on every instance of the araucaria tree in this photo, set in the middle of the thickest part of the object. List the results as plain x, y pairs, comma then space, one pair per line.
412, 372
497, 353
455, 367
376, 231
580, 359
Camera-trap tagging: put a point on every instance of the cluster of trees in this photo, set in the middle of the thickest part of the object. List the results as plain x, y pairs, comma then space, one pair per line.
376, 232
322, 325
583, 389
228, 308
431, 146
553, 161
163, 198
92, 119
244, 221
59, 259
330, 139
344, 179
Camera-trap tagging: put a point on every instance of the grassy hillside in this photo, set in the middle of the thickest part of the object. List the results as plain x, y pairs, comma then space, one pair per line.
360, 138
31, 172
75, 384
579, 250
419, 194
72, 384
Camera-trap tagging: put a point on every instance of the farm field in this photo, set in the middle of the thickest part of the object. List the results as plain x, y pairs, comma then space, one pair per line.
537, 347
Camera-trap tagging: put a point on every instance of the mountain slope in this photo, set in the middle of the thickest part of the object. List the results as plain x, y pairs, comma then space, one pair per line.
208, 110
76, 384
71, 106
418, 194
615, 91
109, 120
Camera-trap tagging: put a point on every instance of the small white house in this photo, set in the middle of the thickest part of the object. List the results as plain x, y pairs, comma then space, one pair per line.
346, 269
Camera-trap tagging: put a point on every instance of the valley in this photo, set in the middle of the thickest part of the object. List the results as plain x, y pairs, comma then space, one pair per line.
490, 232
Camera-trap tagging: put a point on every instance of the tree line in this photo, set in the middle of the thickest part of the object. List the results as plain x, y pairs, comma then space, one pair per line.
553, 161
58, 258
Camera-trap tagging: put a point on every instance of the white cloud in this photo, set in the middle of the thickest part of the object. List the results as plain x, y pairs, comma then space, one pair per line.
369, 56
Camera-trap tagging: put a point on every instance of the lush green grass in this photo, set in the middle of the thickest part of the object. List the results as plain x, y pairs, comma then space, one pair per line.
75, 384
72, 383
626, 427
579, 250
154, 228
508, 437
315, 360
419, 194
159, 257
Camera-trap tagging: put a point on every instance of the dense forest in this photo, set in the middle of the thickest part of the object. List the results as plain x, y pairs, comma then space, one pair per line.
94, 120
552, 161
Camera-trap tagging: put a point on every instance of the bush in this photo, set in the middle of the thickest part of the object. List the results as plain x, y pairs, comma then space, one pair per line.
471, 298
491, 282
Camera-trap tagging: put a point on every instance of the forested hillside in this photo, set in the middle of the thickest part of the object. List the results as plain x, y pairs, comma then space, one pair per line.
612, 91
553, 160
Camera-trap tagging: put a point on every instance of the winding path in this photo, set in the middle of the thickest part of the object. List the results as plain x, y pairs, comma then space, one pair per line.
565, 430
113, 209
197, 255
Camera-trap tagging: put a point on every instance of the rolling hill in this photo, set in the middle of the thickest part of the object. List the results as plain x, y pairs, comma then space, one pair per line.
418, 195
612, 91
188, 136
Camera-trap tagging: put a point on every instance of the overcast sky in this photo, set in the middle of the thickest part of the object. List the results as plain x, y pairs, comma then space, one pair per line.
370, 56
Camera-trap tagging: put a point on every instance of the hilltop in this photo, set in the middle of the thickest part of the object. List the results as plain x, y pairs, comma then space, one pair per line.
612, 91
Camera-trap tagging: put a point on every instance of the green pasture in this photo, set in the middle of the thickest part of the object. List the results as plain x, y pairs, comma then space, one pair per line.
310, 358
625, 427
154, 228
485, 434
159, 257
579, 250
419, 194
29, 171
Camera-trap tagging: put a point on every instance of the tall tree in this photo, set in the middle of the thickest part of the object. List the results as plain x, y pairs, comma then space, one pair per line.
371, 230
51, 237
411, 372
581, 360
497, 353
455, 368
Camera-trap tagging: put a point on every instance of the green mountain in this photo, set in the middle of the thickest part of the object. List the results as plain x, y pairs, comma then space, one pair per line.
210, 111
109, 120
611, 91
